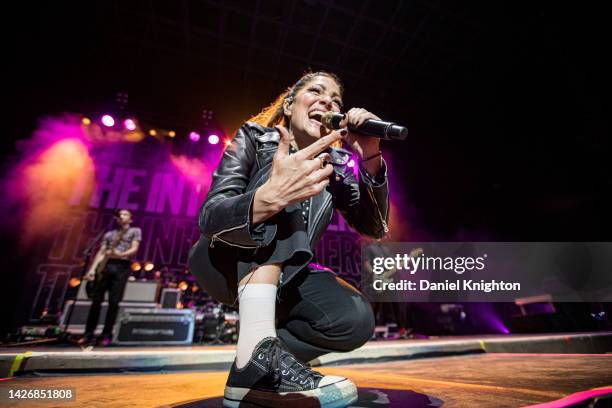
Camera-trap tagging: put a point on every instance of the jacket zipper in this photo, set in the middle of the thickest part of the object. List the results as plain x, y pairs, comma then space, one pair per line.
382, 220
215, 237
318, 216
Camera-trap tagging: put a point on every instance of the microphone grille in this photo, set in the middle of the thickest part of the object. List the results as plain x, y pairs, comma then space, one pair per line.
331, 120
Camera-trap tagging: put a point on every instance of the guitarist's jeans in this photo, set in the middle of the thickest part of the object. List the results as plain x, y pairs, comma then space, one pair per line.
319, 313
113, 280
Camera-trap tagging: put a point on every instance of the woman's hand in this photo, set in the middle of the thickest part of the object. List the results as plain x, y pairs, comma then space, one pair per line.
365, 146
293, 178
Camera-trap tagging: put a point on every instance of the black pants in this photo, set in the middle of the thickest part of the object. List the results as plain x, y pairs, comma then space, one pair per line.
319, 313
113, 280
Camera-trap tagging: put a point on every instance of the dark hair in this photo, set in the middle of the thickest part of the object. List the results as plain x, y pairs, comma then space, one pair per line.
274, 114
118, 211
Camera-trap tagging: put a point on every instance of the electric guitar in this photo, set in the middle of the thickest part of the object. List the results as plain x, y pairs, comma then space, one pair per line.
98, 265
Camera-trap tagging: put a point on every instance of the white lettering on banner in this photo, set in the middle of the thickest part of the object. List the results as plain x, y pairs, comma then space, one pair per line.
108, 181
135, 189
129, 187
154, 192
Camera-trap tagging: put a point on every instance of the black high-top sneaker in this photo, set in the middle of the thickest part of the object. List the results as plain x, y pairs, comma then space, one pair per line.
273, 377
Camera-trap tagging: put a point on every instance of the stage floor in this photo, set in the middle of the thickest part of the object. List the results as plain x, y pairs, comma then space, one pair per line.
57, 360
483, 380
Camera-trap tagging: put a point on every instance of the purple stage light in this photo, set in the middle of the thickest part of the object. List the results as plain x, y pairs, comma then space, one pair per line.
108, 120
213, 139
194, 136
129, 124
352, 164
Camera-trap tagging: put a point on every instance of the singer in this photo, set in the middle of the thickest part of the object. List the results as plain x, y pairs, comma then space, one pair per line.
271, 198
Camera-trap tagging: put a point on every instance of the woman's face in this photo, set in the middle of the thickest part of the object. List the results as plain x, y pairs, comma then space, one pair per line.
321, 94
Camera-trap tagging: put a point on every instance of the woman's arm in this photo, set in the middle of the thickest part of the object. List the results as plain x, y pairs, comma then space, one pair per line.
265, 205
226, 212
373, 166
364, 204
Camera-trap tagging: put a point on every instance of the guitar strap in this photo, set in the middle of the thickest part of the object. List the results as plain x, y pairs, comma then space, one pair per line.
116, 240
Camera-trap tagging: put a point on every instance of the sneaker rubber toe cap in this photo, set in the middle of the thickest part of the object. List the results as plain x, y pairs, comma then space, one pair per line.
330, 379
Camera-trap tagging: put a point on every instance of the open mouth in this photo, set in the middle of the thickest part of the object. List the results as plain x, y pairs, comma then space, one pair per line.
315, 117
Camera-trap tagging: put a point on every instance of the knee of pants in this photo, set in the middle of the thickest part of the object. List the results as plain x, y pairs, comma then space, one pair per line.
353, 326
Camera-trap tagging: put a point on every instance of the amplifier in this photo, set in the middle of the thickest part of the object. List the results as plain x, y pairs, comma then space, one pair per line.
154, 327
169, 298
135, 291
81, 311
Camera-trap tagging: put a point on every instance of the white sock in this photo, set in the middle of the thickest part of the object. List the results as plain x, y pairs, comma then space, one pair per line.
257, 310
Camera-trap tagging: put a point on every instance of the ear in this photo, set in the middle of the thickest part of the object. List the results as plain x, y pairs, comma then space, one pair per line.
287, 105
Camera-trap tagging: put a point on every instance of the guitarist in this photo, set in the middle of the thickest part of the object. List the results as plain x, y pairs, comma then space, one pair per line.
110, 270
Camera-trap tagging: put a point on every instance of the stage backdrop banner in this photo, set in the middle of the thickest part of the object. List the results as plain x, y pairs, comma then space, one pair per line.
79, 183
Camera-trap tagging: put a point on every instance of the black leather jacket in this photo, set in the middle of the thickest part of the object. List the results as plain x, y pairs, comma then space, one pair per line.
246, 164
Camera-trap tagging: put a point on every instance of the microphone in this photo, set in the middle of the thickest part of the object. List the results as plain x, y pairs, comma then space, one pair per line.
376, 128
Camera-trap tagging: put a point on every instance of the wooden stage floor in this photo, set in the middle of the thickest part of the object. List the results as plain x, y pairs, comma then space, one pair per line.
483, 380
